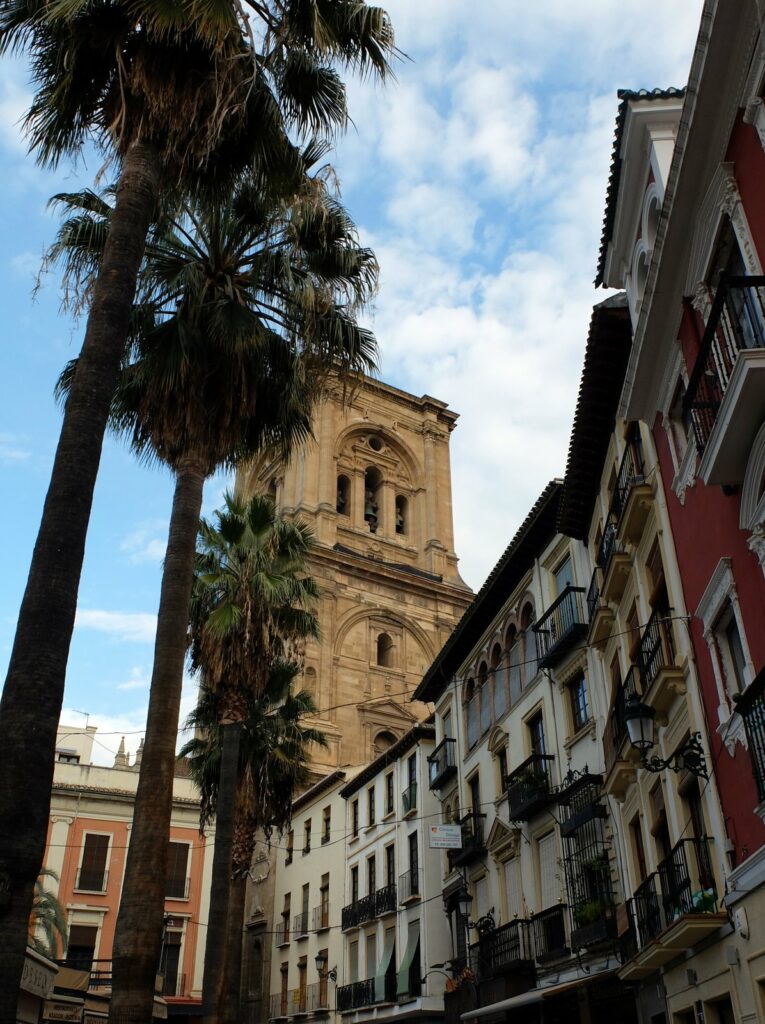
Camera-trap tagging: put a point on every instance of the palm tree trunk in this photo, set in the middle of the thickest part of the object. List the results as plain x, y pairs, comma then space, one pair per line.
215, 945
138, 937
230, 1009
34, 687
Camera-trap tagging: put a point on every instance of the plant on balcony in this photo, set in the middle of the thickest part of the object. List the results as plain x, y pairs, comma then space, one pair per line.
590, 911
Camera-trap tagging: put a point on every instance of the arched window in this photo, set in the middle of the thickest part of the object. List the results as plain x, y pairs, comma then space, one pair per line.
401, 514
652, 221
343, 501
310, 680
513, 650
384, 651
383, 741
529, 649
471, 712
499, 675
484, 688
372, 485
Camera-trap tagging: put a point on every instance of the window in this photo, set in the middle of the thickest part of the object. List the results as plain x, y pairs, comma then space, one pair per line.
401, 514
177, 882
731, 650
513, 646
411, 770
304, 902
354, 884
659, 824
564, 575
529, 651
353, 960
372, 485
447, 724
284, 994
384, 651
290, 846
326, 823
286, 908
324, 902
82, 946
67, 757
499, 676
414, 861
501, 770
92, 873
390, 864
343, 501
355, 818
307, 837
371, 806
371, 954
170, 963
720, 615
302, 984
324, 982
389, 806
484, 690
638, 849
474, 786
371, 875
580, 711
536, 727
471, 712
383, 741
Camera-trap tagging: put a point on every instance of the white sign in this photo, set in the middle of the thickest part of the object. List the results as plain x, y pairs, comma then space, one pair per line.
37, 979
445, 837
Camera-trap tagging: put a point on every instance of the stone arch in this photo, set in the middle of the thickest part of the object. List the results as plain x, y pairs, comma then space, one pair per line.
383, 741
401, 448
651, 214
753, 489
382, 615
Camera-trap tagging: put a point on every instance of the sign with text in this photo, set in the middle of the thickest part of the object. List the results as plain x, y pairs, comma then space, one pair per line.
445, 837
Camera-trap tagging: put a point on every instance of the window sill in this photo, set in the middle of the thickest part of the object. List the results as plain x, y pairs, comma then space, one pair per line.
100, 892
588, 729
389, 814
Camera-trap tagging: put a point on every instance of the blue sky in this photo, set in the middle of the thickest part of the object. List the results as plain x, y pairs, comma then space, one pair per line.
478, 177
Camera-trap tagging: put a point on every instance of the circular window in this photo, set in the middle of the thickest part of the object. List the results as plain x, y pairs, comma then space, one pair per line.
375, 443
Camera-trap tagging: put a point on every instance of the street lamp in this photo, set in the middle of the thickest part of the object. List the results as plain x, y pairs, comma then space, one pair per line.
464, 901
640, 720
321, 962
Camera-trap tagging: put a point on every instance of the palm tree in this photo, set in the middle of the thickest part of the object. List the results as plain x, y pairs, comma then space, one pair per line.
48, 928
180, 96
243, 306
273, 767
251, 606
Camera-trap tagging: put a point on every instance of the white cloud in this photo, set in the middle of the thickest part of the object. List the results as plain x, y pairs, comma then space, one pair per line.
15, 99
147, 543
130, 627
12, 449
138, 680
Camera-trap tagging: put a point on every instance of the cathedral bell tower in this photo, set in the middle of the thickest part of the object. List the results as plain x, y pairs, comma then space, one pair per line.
374, 484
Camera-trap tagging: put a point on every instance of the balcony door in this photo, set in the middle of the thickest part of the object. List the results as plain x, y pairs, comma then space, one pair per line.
513, 888
549, 889
171, 963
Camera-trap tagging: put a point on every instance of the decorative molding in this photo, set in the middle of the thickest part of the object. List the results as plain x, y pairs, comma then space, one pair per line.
733, 731
685, 477
672, 372
717, 592
756, 544
752, 511
721, 197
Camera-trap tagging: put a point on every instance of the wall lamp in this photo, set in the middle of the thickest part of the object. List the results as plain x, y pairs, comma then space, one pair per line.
321, 962
640, 720
464, 901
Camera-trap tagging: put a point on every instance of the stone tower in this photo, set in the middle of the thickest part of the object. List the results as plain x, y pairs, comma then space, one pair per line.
375, 485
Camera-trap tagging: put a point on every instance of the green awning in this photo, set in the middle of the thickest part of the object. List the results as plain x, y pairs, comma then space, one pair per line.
384, 964
412, 945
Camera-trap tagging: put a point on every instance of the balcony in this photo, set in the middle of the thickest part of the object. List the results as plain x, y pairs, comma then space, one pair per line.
317, 997
662, 680
300, 925
473, 845
529, 789
409, 799
549, 930
751, 706
633, 496
100, 971
502, 950
282, 932
620, 762
582, 802
321, 917
297, 1001
675, 908
91, 881
441, 764
278, 1005
174, 985
726, 390
409, 887
561, 627
599, 615
370, 992
614, 562
376, 904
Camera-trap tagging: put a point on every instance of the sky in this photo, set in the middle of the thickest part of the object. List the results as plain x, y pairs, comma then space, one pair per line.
478, 177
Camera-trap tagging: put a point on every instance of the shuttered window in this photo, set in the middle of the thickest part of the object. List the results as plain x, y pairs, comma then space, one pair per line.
548, 872
177, 871
513, 888
92, 874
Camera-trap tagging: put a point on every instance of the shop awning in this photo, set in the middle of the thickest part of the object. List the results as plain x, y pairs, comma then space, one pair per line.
534, 995
413, 941
384, 965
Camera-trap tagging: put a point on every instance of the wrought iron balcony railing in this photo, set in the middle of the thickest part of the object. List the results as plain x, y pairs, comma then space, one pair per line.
300, 925
92, 881
616, 729
751, 706
321, 917
501, 950
581, 799
409, 886
657, 647
593, 595
646, 910
100, 970
277, 1006
687, 880
317, 996
282, 932
366, 993
561, 626
376, 904
409, 798
631, 472
736, 321
473, 844
441, 763
529, 788
549, 929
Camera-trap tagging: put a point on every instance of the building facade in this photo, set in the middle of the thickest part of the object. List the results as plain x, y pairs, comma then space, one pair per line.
374, 483
520, 715
90, 819
689, 251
